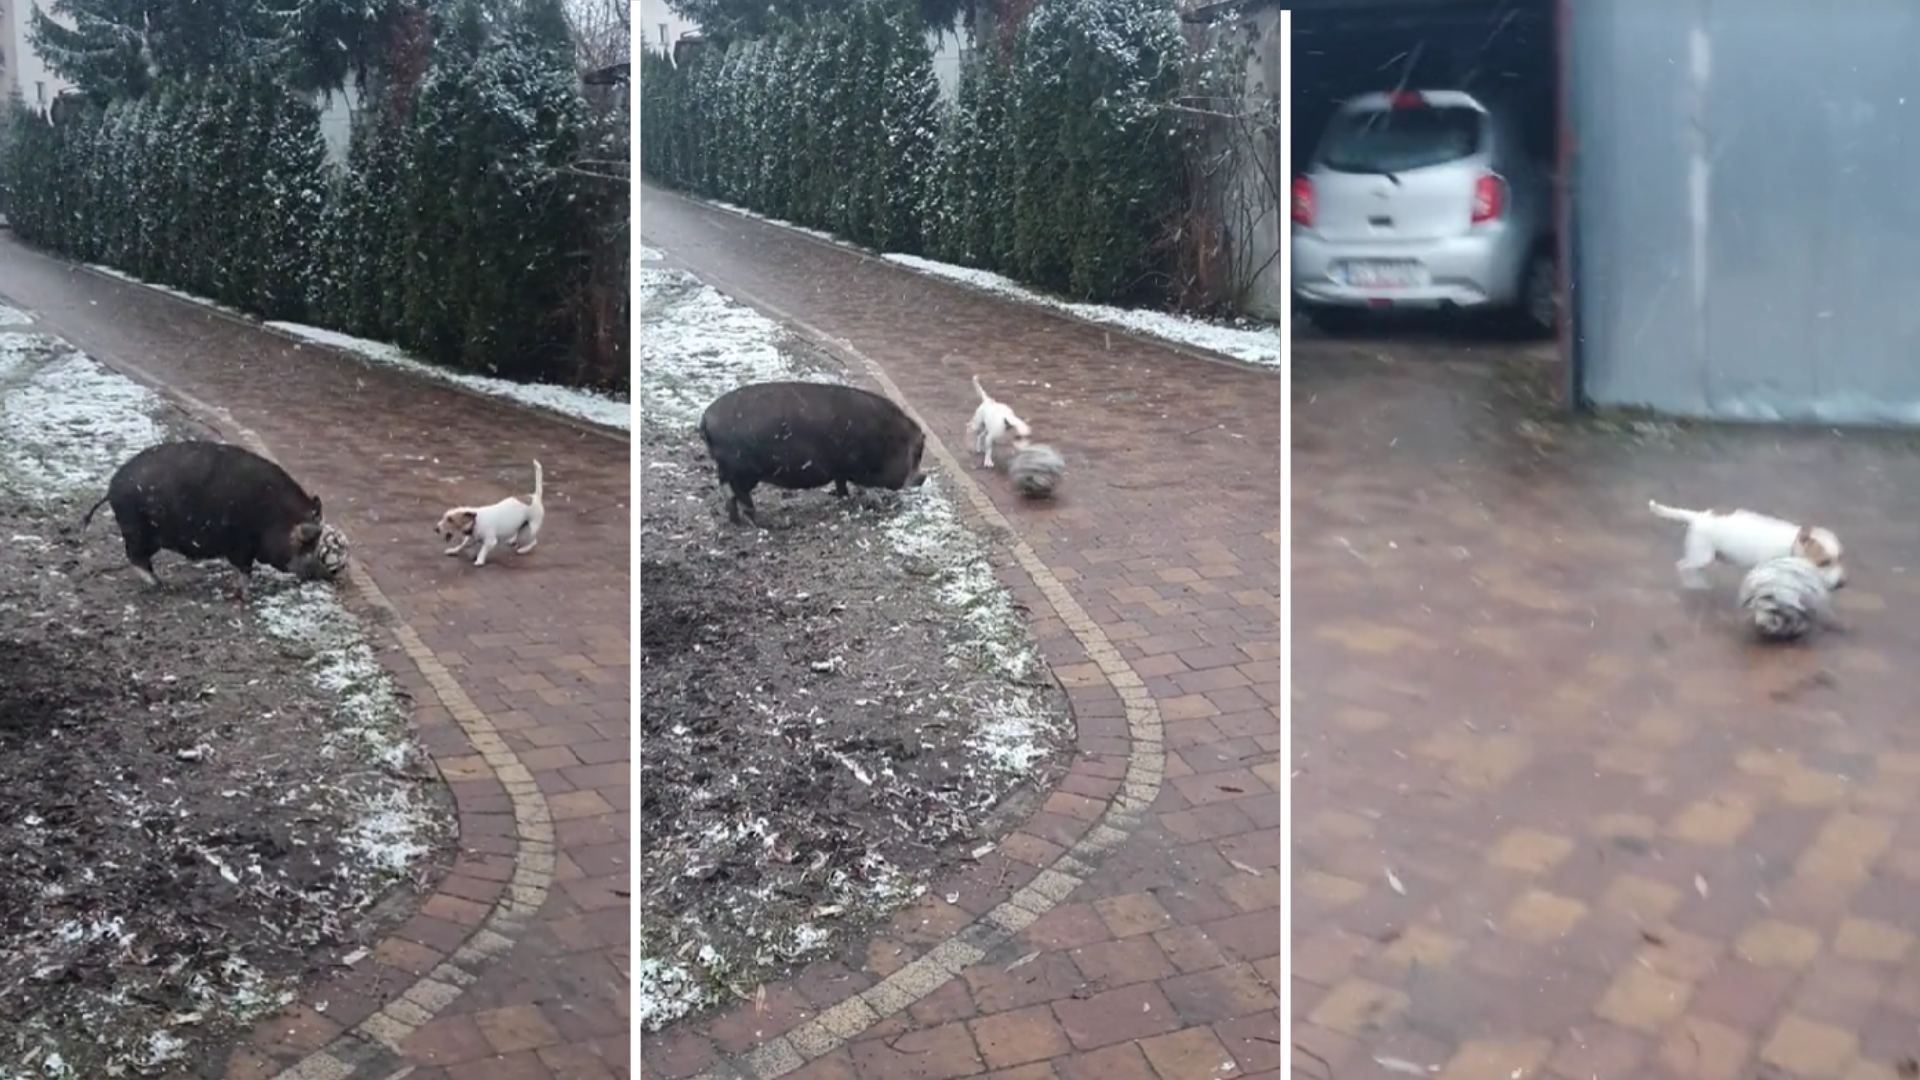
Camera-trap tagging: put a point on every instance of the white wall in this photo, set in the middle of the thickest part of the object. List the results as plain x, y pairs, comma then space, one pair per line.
336, 119
949, 53
653, 15
24, 70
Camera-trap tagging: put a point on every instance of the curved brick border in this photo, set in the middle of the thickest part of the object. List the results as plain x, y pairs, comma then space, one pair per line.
1146, 768
533, 858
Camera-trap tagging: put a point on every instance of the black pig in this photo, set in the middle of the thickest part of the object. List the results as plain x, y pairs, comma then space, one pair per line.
209, 500
799, 435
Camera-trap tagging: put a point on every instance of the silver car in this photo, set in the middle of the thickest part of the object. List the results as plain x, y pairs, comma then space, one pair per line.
1423, 199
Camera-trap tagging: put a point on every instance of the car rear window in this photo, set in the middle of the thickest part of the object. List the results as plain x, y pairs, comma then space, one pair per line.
1395, 140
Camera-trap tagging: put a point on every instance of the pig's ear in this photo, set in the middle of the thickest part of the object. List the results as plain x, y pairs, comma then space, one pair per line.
316, 507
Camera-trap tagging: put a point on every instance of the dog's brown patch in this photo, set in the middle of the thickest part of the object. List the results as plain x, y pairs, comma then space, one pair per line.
1811, 549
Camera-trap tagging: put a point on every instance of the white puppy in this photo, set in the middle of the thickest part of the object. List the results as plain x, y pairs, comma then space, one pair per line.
507, 520
1747, 539
991, 422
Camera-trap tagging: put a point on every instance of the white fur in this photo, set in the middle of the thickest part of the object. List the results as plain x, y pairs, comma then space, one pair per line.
505, 521
991, 422
1747, 539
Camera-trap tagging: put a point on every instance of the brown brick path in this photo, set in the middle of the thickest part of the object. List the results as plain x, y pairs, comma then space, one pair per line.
1164, 961
1623, 842
517, 965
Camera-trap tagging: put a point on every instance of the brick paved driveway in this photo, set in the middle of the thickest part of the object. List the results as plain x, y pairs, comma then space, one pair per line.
537, 650
1554, 817
1164, 960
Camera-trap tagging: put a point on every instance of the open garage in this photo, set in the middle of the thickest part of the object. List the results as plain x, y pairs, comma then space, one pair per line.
1732, 238
1426, 145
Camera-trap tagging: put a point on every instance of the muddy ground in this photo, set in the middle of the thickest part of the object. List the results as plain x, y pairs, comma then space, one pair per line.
190, 827
832, 710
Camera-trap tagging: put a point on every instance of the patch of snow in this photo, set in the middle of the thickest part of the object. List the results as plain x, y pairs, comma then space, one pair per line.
66, 422
602, 409
164, 1046
696, 344
668, 991
12, 316
928, 531
815, 233
1252, 341
309, 618
1255, 343
168, 289
649, 254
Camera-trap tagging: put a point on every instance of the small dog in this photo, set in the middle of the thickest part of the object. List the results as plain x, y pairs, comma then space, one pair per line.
1747, 539
1036, 469
508, 520
991, 422
1787, 598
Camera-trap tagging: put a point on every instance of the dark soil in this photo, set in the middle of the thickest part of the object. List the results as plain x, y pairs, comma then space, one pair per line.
807, 703
172, 853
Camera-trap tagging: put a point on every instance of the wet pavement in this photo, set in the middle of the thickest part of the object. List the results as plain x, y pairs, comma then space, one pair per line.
1158, 956
1555, 817
517, 965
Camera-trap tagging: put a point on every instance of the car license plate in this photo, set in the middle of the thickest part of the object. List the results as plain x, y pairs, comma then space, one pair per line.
1385, 274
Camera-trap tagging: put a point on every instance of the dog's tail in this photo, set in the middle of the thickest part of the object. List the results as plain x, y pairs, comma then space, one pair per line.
537, 482
88, 520
981, 390
1673, 513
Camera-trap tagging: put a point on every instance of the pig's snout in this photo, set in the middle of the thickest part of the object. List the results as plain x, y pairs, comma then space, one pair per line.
916, 479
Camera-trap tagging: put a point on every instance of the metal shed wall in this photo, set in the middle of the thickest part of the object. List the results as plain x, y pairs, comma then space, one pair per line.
1747, 239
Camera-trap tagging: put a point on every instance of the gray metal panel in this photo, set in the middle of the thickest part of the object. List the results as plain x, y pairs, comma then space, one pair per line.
1749, 238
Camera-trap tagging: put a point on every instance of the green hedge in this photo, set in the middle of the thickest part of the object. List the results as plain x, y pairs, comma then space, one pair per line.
1057, 165
457, 230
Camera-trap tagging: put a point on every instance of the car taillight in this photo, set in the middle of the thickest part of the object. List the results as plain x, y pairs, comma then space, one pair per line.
1489, 198
1303, 201
1408, 99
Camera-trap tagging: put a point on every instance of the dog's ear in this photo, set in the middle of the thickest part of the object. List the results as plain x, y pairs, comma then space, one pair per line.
1808, 546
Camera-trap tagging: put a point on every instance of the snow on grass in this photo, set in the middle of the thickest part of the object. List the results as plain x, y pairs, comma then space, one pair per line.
392, 828
585, 405
650, 254
1254, 343
309, 619
66, 422
1009, 731
668, 991
696, 344
12, 316
928, 531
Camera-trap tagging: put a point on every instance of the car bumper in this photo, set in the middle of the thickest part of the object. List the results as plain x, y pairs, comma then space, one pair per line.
1465, 271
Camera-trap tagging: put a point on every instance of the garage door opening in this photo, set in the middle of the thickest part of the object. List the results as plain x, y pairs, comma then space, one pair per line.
1400, 217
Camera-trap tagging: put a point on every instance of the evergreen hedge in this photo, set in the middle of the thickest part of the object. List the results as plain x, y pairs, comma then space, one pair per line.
457, 228
1058, 164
